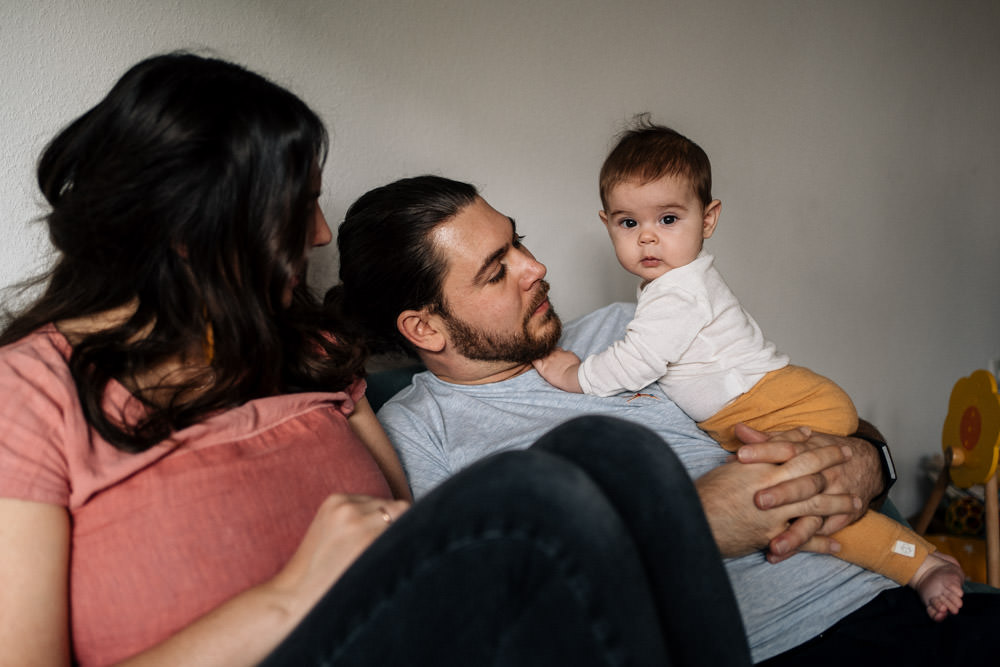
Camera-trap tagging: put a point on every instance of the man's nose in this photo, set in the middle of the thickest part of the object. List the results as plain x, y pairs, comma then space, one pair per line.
532, 271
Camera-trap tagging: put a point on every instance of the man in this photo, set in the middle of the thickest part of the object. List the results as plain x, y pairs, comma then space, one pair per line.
428, 265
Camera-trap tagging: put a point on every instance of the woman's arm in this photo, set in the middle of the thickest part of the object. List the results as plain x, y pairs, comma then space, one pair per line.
34, 561
244, 630
367, 427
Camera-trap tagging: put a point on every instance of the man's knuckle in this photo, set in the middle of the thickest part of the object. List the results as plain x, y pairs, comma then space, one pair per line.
818, 483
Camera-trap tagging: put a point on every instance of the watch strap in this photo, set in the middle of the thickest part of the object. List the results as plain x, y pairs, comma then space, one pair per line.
871, 435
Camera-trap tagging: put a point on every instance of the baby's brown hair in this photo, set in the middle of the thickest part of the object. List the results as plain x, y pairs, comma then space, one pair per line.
646, 152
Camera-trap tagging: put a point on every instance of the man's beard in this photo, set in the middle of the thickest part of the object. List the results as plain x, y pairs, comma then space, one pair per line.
521, 347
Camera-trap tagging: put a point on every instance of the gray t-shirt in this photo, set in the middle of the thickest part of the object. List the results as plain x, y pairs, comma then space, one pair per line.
439, 428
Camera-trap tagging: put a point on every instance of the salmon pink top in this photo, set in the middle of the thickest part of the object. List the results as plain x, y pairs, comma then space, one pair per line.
162, 537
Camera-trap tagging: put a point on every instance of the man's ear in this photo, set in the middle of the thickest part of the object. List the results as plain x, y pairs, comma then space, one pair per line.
422, 329
710, 218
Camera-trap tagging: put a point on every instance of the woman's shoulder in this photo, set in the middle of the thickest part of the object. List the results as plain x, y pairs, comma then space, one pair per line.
44, 348
36, 366
37, 409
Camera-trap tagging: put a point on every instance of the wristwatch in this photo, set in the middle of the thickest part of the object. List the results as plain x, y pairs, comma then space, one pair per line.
888, 467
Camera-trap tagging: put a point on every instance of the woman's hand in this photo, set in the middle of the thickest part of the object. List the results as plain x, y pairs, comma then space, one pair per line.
344, 526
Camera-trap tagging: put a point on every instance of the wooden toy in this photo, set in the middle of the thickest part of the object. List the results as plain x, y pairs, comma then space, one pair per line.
970, 440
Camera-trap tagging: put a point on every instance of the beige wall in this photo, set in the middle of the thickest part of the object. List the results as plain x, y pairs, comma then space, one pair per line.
855, 146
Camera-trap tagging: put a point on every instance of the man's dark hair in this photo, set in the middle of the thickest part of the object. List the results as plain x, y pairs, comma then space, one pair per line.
388, 262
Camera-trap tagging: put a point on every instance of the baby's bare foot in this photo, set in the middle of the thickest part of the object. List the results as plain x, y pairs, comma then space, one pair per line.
939, 583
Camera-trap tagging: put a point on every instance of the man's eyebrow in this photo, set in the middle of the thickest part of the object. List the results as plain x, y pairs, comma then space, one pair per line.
495, 256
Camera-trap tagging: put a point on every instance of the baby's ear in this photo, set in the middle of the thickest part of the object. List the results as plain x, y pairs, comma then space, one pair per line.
710, 218
603, 216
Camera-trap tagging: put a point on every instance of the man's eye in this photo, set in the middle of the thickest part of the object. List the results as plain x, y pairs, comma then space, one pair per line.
500, 275
628, 223
517, 240
668, 219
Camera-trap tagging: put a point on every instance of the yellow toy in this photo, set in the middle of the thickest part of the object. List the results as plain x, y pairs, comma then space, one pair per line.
971, 443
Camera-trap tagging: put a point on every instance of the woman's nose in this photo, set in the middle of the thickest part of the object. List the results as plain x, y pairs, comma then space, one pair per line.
321, 233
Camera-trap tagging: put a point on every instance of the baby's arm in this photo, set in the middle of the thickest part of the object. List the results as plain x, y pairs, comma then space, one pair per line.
367, 427
560, 369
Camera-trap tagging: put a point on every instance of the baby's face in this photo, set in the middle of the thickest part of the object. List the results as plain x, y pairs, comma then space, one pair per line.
657, 226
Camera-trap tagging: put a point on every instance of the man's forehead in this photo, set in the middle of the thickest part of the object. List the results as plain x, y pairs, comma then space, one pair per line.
476, 228
472, 240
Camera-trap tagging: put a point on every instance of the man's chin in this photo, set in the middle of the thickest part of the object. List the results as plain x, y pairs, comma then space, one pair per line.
547, 332
538, 336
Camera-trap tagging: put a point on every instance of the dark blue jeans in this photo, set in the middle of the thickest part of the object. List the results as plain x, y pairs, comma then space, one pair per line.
590, 548
894, 629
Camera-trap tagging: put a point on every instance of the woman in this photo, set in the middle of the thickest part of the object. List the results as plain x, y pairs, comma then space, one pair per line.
189, 470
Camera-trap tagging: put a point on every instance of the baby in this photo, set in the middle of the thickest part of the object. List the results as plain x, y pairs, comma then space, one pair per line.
692, 336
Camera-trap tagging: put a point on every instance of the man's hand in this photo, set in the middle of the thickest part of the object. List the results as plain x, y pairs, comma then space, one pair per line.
859, 476
796, 488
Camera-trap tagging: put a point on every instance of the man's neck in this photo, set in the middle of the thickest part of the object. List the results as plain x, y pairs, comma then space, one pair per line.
470, 371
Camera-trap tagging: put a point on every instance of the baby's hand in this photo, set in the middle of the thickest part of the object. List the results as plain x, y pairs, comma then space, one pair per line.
939, 583
559, 369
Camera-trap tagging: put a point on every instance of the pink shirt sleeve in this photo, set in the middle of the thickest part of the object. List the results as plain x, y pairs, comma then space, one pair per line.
33, 464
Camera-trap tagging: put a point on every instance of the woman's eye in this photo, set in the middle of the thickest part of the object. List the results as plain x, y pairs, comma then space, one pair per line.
668, 219
628, 223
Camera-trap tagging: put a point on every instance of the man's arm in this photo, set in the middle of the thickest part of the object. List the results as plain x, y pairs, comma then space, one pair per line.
860, 476
425, 462
728, 495
882, 484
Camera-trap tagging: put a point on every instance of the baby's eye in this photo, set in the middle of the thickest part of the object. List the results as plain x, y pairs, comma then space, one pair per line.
628, 223
668, 219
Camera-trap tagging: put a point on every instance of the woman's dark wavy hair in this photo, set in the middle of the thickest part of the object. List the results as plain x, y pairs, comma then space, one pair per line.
188, 191
388, 262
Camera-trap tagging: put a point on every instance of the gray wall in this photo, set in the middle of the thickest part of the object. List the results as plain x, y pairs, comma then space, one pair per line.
854, 143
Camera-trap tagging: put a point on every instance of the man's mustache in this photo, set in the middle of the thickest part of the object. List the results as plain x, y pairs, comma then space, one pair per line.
543, 294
